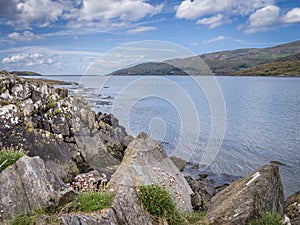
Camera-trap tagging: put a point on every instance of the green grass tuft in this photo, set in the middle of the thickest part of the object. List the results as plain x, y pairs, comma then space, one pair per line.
159, 203
8, 156
93, 201
24, 219
268, 219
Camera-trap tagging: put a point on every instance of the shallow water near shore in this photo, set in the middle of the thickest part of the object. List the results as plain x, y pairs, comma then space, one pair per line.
262, 120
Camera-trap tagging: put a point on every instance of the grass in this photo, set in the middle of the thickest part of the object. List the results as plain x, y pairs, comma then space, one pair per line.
8, 156
31, 218
268, 219
159, 203
24, 219
195, 218
93, 201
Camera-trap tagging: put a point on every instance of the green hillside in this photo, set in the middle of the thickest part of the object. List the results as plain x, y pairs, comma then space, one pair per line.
252, 61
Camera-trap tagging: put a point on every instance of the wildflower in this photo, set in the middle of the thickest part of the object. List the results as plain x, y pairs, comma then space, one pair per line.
92, 180
111, 190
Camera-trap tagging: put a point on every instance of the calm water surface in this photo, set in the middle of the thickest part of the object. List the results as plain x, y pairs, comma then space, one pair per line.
262, 119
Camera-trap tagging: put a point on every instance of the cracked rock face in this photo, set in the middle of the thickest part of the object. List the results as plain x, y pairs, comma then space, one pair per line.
26, 186
248, 198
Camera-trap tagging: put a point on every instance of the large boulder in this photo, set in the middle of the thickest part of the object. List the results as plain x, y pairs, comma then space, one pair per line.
26, 186
248, 198
144, 163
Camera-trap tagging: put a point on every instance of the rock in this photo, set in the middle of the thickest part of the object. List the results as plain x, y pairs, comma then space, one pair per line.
292, 204
179, 163
26, 186
248, 198
101, 140
203, 192
107, 217
144, 163
128, 208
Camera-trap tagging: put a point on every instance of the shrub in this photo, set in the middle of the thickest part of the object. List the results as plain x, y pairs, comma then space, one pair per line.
159, 203
8, 156
268, 219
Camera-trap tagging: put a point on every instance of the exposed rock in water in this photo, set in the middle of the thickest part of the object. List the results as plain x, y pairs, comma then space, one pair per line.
203, 192
179, 163
144, 163
292, 204
27, 186
248, 198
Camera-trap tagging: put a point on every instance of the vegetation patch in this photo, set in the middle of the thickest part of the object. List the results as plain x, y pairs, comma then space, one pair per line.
159, 203
31, 218
8, 156
195, 218
268, 219
92, 195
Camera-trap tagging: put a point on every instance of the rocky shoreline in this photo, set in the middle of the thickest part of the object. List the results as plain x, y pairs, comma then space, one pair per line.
63, 137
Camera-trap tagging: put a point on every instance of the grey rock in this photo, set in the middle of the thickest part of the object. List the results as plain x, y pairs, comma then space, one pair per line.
129, 209
145, 162
106, 217
292, 204
27, 186
248, 198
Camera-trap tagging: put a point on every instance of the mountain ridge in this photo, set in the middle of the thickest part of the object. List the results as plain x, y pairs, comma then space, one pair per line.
239, 62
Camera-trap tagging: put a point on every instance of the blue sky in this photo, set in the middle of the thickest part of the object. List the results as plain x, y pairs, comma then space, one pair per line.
65, 36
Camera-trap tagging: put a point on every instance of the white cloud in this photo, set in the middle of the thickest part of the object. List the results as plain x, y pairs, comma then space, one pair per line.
292, 16
24, 14
28, 59
109, 13
39, 13
213, 21
25, 36
269, 17
141, 29
198, 8
219, 38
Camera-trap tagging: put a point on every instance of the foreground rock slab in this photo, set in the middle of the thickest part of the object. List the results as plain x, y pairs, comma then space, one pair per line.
144, 163
26, 186
248, 198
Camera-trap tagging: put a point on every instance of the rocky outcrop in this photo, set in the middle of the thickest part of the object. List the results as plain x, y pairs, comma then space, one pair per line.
40, 119
292, 204
248, 198
144, 163
27, 186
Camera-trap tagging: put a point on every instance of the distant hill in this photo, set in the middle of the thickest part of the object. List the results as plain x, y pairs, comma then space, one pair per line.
25, 73
252, 61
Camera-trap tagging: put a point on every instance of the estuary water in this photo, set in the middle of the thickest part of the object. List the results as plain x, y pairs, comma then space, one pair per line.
261, 114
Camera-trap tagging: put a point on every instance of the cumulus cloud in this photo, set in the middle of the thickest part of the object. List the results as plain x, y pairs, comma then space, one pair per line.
81, 13
269, 17
213, 21
219, 38
25, 36
41, 13
198, 8
28, 59
140, 29
292, 16
116, 13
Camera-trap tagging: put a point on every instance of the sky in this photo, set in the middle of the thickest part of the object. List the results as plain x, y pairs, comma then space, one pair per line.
55, 37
